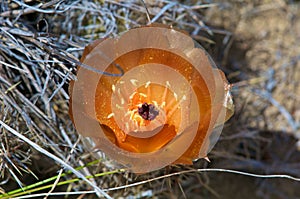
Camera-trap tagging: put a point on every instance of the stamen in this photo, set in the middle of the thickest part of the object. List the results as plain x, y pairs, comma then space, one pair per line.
147, 84
132, 95
164, 97
143, 95
119, 107
110, 115
168, 84
170, 113
122, 101
176, 96
134, 82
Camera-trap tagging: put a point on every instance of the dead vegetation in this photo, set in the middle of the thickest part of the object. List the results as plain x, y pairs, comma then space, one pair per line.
255, 42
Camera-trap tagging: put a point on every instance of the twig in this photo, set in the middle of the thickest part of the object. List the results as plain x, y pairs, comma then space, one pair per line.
98, 191
162, 11
168, 176
282, 110
147, 11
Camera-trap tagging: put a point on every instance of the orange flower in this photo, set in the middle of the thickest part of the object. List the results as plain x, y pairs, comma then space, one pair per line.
168, 107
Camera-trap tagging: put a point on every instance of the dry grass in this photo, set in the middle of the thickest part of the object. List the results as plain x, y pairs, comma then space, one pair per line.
259, 40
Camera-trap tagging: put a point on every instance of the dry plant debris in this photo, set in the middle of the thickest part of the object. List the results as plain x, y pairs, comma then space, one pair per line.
41, 41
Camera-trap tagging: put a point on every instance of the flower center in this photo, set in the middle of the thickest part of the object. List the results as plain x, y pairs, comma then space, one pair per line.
148, 111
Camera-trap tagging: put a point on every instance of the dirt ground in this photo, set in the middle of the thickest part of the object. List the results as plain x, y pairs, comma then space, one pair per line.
256, 43
265, 45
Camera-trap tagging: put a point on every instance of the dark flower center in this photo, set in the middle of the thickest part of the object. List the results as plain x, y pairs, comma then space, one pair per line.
148, 111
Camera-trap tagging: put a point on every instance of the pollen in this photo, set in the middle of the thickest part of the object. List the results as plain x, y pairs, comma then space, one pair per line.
113, 88
134, 82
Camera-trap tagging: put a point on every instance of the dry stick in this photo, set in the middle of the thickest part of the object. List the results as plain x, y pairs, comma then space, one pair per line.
61, 170
5, 157
98, 191
162, 11
29, 104
73, 61
205, 170
147, 12
167, 176
26, 117
29, 9
34, 108
268, 96
37, 8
